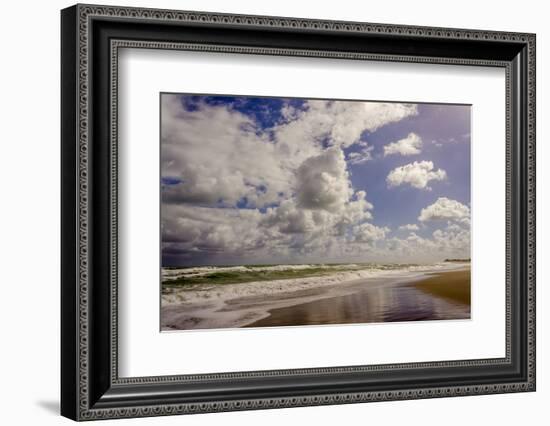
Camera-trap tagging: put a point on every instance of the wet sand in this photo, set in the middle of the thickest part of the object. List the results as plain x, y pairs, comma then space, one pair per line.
438, 296
452, 285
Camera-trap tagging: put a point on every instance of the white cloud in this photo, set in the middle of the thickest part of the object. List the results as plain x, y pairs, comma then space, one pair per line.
192, 229
286, 231
288, 219
196, 233
417, 174
409, 227
342, 122
322, 182
362, 156
293, 180
351, 119
410, 145
355, 210
222, 156
452, 241
219, 156
454, 227
368, 233
444, 243
445, 209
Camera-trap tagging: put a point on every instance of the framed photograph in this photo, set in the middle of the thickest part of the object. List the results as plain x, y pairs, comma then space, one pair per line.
263, 212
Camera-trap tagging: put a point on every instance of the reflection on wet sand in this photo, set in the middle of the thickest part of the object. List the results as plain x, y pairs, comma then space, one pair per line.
401, 302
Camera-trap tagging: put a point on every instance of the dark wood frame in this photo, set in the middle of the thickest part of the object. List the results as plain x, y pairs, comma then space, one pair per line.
91, 37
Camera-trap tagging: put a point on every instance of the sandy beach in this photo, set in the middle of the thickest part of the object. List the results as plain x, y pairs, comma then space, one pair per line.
409, 293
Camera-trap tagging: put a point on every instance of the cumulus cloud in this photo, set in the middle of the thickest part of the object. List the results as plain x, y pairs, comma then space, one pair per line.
288, 219
322, 181
410, 145
234, 190
355, 210
409, 227
341, 122
445, 209
445, 242
453, 241
191, 231
450, 239
417, 174
218, 156
317, 218
369, 233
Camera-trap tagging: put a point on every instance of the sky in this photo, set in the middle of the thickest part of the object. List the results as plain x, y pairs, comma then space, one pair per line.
258, 180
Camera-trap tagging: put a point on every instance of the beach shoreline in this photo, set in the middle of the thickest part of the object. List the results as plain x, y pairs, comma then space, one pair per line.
250, 304
342, 313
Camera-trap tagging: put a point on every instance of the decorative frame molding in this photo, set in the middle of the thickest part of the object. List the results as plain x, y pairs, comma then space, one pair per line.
91, 37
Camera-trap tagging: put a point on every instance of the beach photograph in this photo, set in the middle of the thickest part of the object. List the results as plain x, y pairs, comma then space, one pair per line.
284, 212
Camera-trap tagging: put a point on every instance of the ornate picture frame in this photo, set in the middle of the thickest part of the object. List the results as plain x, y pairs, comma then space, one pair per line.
91, 37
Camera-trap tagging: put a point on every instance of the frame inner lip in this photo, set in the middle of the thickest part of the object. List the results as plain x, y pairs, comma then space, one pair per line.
115, 45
